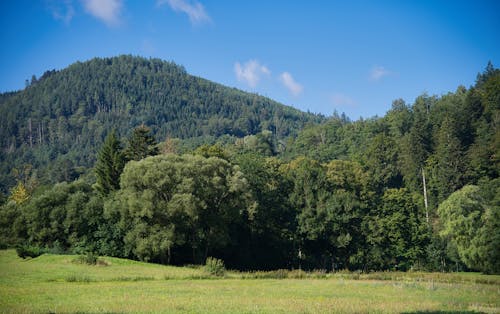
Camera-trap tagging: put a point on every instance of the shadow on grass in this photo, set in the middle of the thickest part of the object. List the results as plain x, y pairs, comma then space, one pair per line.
443, 312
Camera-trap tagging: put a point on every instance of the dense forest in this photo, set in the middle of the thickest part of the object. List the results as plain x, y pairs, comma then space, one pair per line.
57, 123
183, 169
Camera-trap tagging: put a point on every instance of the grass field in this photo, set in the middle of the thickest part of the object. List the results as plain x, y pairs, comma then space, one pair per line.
56, 284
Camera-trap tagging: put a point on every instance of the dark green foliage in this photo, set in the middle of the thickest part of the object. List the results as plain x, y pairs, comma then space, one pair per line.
397, 232
26, 250
449, 161
109, 165
12, 225
339, 195
67, 113
267, 241
141, 144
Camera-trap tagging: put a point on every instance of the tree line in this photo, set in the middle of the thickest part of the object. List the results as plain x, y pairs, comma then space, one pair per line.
415, 189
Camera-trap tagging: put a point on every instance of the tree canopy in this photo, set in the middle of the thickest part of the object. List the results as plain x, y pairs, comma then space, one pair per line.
415, 189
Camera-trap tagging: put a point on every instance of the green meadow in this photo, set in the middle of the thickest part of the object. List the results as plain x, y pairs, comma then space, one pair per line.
59, 284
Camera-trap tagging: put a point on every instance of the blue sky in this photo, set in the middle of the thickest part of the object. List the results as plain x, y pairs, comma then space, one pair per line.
351, 56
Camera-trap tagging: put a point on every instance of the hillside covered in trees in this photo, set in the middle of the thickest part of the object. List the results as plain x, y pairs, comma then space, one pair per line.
57, 123
415, 189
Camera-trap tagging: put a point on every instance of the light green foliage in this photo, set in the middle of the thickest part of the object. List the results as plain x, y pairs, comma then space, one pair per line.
472, 226
329, 140
261, 143
169, 200
212, 151
215, 266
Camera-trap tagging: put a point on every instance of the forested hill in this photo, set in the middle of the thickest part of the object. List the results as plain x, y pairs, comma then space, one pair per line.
418, 188
60, 119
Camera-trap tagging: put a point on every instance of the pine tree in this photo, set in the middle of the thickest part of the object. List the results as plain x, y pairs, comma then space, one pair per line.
109, 165
449, 155
141, 144
416, 144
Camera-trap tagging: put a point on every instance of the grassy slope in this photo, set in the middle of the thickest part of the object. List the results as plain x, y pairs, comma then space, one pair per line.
53, 283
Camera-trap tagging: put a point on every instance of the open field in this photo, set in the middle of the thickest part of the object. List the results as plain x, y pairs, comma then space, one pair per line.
56, 284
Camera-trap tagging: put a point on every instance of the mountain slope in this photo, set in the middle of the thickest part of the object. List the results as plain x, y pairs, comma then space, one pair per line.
60, 120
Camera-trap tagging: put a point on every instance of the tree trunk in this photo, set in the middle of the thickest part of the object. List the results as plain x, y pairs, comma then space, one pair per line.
425, 198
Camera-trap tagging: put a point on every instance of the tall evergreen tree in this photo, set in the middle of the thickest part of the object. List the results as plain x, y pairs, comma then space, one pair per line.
450, 163
141, 144
109, 165
416, 144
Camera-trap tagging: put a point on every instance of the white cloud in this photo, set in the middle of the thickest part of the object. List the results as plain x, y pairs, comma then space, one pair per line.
250, 72
378, 72
62, 10
294, 87
106, 10
194, 10
342, 100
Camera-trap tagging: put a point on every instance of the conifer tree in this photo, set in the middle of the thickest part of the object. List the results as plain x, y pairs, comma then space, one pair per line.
109, 165
450, 163
141, 144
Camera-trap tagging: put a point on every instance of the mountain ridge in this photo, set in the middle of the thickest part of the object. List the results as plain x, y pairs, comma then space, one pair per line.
73, 109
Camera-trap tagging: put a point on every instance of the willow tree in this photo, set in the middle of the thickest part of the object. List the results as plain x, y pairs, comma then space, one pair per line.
171, 201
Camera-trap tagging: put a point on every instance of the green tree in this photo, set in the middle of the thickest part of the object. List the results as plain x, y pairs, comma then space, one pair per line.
328, 201
109, 165
172, 202
266, 240
416, 144
488, 240
382, 161
449, 160
398, 234
212, 151
472, 226
59, 217
141, 144
12, 224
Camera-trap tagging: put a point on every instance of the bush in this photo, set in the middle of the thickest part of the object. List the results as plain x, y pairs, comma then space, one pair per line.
24, 251
90, 259
215, 266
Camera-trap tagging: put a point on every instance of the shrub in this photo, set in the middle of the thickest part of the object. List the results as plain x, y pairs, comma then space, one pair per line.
90, 259
75, 278
215, 266
24, 251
